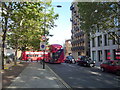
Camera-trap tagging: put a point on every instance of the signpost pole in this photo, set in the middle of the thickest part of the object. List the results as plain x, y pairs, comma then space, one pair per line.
43, 47
44, 36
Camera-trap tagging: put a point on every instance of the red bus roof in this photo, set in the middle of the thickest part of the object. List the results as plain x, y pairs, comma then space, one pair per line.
56, 45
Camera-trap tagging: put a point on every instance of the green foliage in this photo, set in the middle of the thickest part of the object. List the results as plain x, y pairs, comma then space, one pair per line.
94, 15
26, 24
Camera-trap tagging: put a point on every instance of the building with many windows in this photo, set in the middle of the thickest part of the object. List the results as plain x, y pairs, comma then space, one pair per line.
79, 40
103, 48
67, 47
98, 46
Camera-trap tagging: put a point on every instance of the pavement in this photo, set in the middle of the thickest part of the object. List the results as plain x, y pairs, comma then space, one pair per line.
34, 76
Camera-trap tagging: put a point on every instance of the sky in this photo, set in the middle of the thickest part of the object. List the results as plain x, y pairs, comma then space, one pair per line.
63, 29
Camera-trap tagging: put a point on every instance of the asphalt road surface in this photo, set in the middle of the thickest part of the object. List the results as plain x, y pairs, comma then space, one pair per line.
85, 77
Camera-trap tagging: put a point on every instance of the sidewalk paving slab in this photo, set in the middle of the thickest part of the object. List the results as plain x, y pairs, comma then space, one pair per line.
33, 76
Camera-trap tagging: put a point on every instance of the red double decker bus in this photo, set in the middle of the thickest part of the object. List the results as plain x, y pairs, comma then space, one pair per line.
33, 55
55, 54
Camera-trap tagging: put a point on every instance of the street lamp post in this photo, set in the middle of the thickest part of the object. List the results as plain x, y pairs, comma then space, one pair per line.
59, 6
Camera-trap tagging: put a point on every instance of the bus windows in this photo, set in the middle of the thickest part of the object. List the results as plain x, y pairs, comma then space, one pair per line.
35, 55
56, 54
29, 55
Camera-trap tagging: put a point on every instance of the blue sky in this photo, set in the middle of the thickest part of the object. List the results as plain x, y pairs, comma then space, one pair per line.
63, 29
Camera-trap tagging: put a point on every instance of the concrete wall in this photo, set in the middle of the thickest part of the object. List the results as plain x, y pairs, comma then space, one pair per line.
75, 54
110, 47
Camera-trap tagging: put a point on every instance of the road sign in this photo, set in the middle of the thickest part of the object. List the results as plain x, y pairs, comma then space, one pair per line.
42, 45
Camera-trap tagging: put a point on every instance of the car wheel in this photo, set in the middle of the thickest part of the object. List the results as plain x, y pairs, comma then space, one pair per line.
50, 61
102, 69
74, 62
118, 72
93, 66
85, 64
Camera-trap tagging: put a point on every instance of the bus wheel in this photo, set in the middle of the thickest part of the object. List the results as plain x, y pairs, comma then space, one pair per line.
30, 59
50, 61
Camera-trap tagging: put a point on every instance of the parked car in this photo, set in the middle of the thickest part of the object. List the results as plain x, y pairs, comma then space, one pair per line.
85, 61
111, 66
70, 59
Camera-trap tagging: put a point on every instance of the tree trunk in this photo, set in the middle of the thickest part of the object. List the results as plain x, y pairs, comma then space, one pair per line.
2, 55
3, 41
15, 60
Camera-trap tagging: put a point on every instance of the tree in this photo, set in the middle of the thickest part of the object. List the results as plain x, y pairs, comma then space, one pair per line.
6, 12
100, 15
31, 28
26, 21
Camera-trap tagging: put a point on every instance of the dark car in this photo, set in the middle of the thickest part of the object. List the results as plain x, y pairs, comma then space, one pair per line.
111, 66
85, 61
70, 59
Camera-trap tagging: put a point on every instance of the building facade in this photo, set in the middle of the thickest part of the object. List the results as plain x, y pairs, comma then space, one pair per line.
103, 48
98, 46
68, 47
79, 40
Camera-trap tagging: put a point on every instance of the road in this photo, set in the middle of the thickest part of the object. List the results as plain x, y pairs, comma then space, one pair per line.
85, 77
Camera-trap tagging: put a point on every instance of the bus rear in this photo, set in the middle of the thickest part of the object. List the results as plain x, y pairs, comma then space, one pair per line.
56, 54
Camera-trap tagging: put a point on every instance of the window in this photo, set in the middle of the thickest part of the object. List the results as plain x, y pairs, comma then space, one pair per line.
79, 53
100, 55
107, 55
106, 41
116, 54
94, 55
114, 51
36, 55
93, 42
100, 40
29, 55
113, 33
